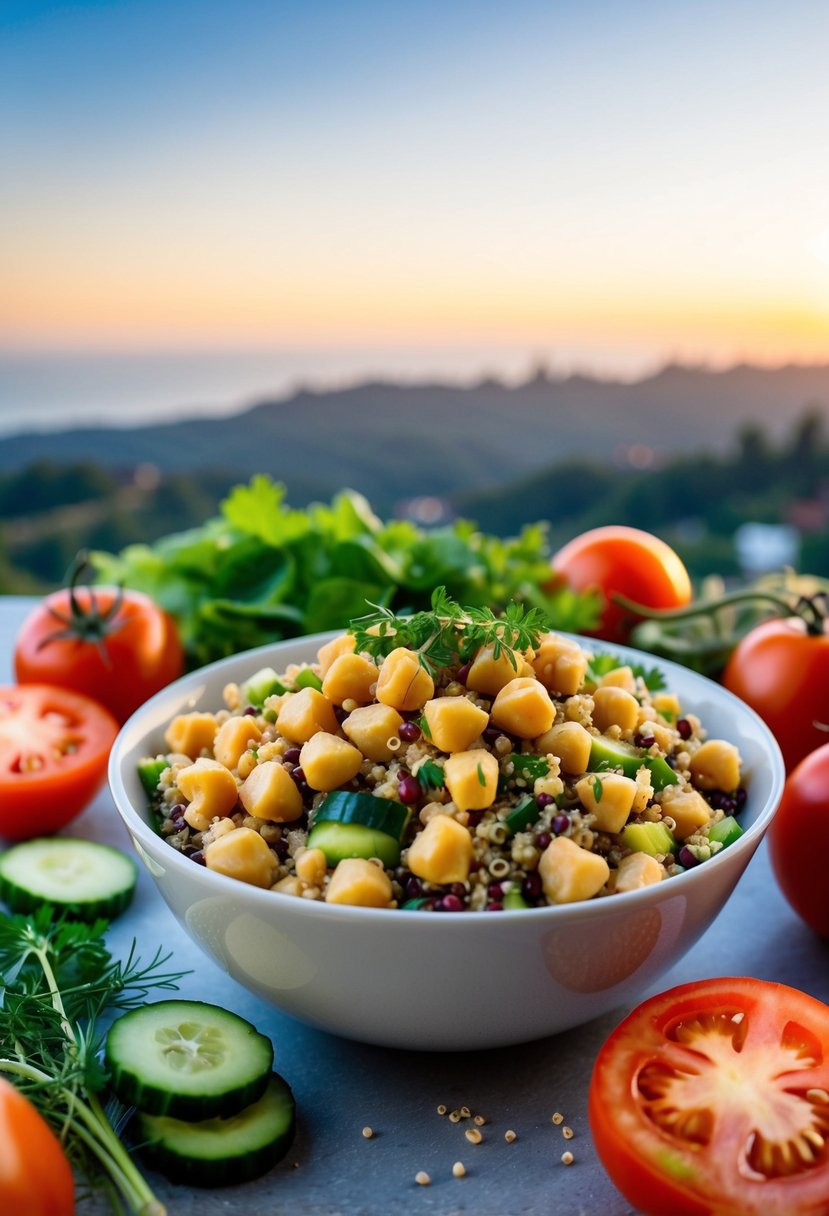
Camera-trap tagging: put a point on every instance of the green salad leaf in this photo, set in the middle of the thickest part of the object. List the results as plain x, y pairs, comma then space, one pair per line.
260, 570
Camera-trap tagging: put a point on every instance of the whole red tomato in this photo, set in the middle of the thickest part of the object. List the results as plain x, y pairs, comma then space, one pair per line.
710, 1100
781, 669
799, 840
54, 749
117, 647
617, 560
35, 1177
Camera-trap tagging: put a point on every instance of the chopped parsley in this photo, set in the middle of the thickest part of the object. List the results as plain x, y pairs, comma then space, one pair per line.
531, 767
598, 788
431, 775
604, 662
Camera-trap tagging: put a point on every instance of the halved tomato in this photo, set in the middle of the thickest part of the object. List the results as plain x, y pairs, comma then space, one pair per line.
54, 747
712, 1099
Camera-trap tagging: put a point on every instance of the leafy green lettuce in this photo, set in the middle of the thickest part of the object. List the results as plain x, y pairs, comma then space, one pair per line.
261, 571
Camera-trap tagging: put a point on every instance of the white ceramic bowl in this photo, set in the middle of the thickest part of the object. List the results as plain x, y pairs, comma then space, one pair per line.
441, 981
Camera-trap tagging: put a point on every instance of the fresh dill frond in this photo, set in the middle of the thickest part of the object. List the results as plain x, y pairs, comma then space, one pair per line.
57, 978
448, 633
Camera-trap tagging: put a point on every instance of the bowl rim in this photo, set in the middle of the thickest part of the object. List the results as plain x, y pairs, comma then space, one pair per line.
218, 884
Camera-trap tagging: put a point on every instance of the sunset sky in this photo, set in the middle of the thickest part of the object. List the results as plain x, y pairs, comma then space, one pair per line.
615, 181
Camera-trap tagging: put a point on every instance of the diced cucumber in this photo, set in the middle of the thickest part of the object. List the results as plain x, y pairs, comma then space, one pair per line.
261, 685
529, 766
661, 772
222, 1152
726, 831
188, 1060
367, 810
522, 814
83, 879
149, 773
308, 679
653, 838
513, 899
341, 840
614, 753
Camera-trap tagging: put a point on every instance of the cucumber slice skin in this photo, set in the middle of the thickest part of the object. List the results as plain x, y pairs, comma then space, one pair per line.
97, 882
339, 841
652, 838
725, 831
366, 810
608, 753
222, 1152
149, 773
138, 1078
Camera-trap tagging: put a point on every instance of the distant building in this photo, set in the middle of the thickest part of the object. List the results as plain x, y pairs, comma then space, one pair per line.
763, 548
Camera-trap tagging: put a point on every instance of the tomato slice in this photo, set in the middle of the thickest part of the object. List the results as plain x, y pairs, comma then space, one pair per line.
712, 1099
54, 747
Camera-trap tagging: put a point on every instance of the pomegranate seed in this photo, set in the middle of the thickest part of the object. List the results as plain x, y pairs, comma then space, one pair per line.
531, 887
543, 800
495, 906
462, 674
412, 887
542, 840
291, 755
409, 732
683, 728
298, 775
645, 740
495, 891
449, 903
560, 824
408, 790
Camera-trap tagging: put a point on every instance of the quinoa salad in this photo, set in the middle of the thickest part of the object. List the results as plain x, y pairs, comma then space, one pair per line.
497, 779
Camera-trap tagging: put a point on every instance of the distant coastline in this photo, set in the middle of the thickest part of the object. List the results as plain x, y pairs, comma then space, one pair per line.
51, 391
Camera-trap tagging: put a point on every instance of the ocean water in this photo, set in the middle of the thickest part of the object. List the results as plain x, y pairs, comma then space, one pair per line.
51, 391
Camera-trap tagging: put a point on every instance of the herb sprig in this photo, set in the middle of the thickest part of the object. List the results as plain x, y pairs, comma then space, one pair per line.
57, 978
603, 661
449, 633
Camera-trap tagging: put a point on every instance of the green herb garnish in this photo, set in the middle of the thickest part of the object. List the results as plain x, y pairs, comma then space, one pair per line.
600, 664
449, 633
57, 979
430, 775
424, 726
480, 772
598, 788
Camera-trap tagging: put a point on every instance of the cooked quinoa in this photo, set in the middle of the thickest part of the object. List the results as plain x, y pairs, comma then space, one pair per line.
501, 782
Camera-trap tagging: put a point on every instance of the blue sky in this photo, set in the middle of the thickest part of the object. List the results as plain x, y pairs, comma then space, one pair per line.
639, 177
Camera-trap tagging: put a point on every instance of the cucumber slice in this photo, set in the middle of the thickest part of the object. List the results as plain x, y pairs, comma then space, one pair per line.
308, 679
513, 899
381, 814
188, 1060
220, 1152
523, 814
726, 831
650, 838
149, 772
614, 753
78, 877
261, 685
341, 840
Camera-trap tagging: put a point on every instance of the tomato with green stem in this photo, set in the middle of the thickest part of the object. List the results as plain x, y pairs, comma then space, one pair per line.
35, 1176
781, 669
619, 561
115, 646
712, 1099
54, 749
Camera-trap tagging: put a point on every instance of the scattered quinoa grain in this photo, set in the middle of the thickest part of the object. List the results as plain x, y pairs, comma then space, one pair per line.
567, 1158
473, 1135
422, 1178
459, 1169
479, 1120
558, 1118
441, 1109
465, 1112
455, 1116
510, 1136
567, 1133
368, 1133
